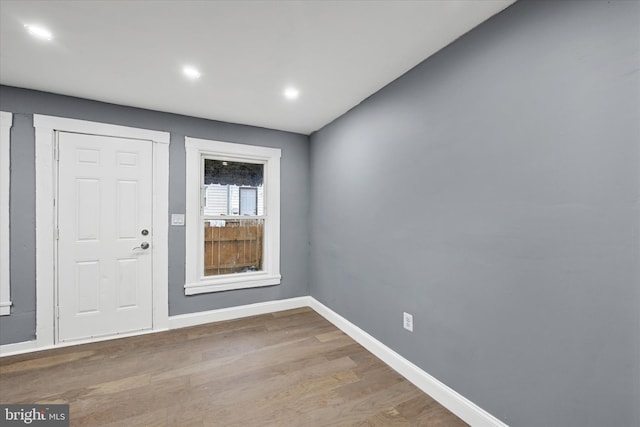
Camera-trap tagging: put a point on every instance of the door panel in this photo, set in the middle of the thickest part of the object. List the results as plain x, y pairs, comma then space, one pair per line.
104, 202
88, 214
88, 277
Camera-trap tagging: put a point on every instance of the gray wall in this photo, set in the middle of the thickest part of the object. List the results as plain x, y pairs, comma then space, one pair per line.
494, 193
20, 326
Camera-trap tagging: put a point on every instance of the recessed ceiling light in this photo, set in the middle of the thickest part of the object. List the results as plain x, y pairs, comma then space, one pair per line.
191, 72
39, 32
291, 93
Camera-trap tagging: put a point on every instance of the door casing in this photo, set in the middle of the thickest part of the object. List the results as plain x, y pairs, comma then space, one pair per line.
45, 147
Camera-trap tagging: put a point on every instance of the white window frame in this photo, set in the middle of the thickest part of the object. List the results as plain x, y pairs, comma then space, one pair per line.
196, 149
6, 121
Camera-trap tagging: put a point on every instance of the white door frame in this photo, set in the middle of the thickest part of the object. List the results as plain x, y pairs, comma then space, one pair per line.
45, 127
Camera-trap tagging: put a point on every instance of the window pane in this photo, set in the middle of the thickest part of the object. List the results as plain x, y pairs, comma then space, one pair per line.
233, 188
233, 246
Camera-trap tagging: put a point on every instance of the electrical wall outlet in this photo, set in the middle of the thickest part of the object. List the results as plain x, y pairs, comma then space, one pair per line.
407, 321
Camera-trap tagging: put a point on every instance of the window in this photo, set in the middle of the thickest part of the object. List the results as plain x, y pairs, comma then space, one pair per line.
6, 120
232, 217
233, 228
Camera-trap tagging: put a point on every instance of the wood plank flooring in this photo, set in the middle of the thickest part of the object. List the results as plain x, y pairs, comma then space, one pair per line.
291, 368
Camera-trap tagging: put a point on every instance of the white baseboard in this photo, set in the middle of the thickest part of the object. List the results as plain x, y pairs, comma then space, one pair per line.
466, 410
18, 348
175, 322
447, 397
193, 319
31, 346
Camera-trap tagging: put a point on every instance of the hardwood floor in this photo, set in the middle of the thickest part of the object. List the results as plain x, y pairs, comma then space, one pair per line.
291, 368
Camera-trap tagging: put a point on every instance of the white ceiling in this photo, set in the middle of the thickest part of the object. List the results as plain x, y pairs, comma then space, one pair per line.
132, 52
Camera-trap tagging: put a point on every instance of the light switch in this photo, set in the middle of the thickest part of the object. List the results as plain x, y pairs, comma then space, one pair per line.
177, 219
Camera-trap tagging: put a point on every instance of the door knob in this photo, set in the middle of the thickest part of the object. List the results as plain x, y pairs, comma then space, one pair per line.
143, 245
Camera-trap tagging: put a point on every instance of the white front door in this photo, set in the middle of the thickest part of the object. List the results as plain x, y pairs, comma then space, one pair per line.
105, 240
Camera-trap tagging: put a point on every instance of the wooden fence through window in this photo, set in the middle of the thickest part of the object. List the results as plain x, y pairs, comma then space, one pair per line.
234, 248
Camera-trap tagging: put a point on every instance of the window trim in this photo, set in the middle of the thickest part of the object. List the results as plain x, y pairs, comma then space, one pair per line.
6, 121
195, 281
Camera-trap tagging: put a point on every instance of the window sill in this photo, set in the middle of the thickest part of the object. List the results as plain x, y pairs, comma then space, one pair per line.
227, 283
5, 308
